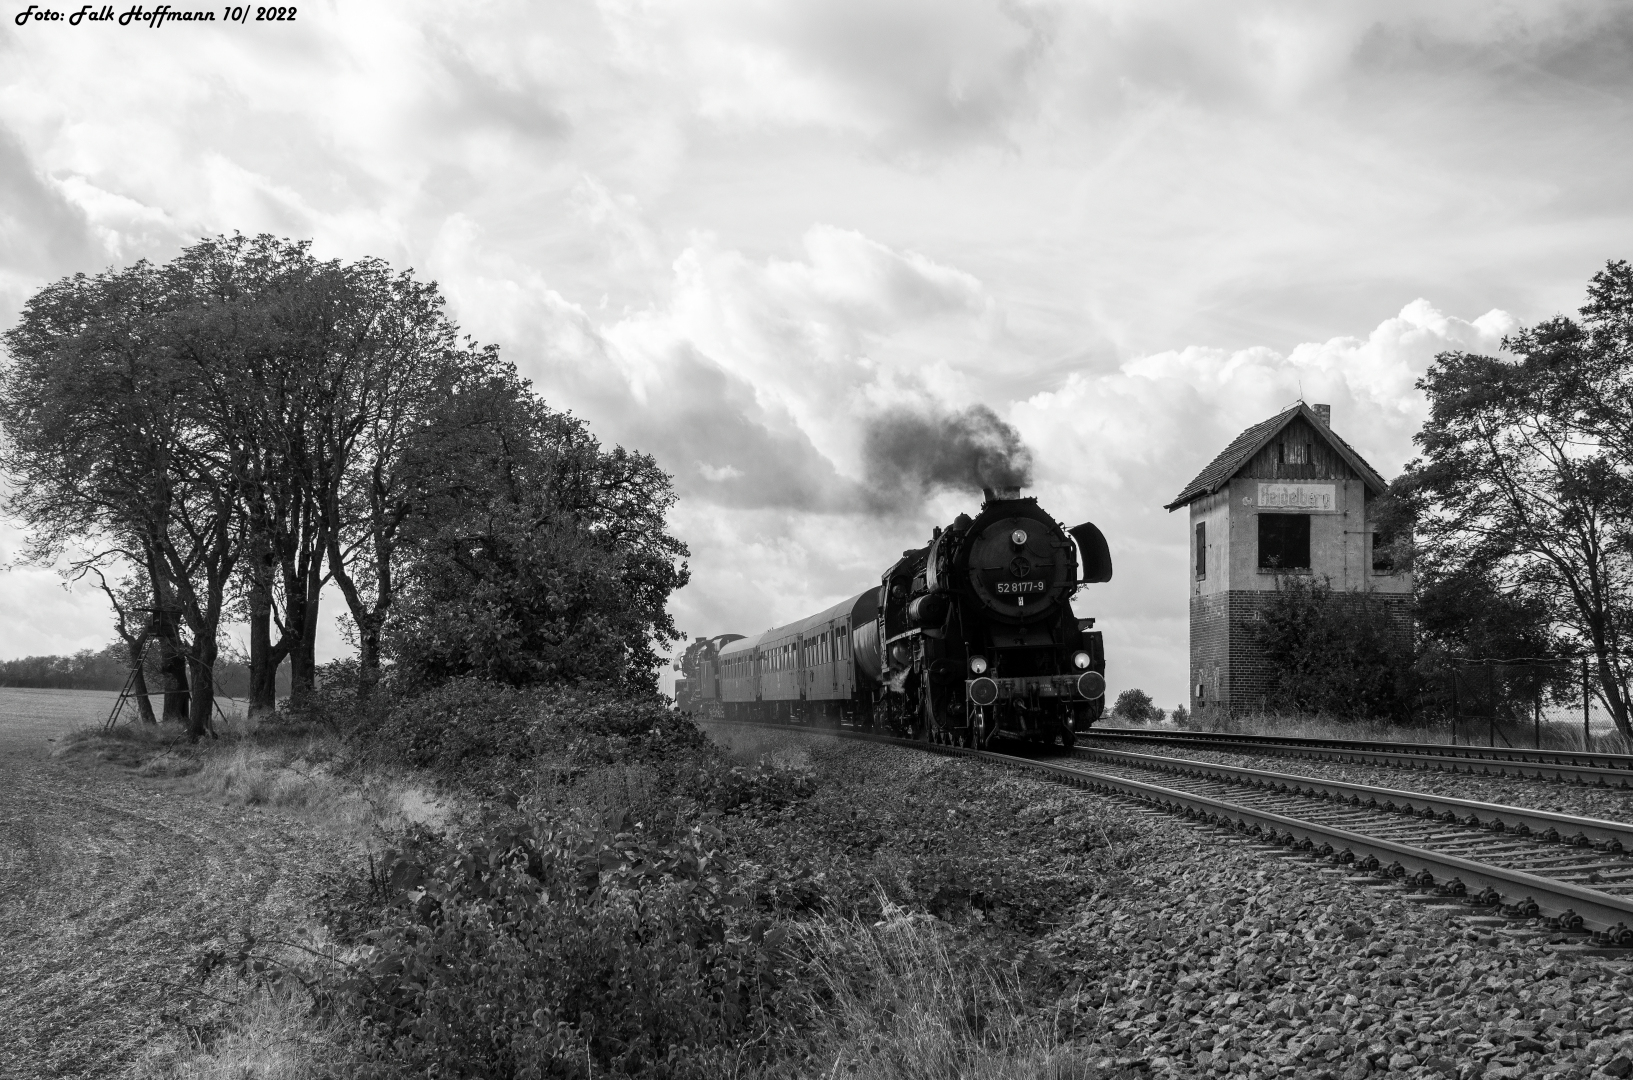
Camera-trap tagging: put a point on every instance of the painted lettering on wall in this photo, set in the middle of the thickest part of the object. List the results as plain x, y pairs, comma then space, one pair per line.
1318, 497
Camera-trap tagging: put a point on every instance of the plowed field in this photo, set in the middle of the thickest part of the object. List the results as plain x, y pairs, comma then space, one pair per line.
111, 885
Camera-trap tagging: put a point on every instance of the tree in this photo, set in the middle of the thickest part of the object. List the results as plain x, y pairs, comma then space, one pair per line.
537, 556
92, 407
1137, 706
396, 369
1525, 483
266, 398
246, 422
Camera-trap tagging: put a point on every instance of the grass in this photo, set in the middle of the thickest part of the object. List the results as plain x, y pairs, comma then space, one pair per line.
905, 1003
274, 1037
299, 769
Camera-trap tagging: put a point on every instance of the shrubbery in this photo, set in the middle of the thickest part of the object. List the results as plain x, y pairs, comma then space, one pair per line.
567, 951
551, 940
502, 741
468, 729
1335, 654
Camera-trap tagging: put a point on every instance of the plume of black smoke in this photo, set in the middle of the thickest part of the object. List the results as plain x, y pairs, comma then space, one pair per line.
910, 454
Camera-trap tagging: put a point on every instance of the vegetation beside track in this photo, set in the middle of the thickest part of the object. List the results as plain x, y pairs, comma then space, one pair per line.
801, 906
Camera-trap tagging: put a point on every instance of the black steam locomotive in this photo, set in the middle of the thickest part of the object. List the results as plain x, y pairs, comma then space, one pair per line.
965, 639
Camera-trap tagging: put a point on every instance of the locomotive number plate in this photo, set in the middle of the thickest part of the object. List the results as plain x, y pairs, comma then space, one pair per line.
1014, 588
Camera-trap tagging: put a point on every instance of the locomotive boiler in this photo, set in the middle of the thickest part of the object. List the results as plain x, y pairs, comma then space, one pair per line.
966, 639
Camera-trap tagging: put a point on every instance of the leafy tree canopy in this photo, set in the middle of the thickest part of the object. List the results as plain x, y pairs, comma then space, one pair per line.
1522, 499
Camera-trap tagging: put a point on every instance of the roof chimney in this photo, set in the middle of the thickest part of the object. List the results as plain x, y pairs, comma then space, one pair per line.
1324, 414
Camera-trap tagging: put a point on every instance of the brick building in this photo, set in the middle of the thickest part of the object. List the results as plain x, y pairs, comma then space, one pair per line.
1287, 497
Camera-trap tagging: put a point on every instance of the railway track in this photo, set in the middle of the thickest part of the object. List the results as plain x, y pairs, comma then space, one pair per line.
1568, 874
1574, 766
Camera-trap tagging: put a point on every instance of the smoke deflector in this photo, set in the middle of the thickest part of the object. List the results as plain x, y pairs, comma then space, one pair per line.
1096, 553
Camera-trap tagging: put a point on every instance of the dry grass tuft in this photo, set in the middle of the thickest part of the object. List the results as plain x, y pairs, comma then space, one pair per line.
291, 769
273, 1037
903, 1004
302, 777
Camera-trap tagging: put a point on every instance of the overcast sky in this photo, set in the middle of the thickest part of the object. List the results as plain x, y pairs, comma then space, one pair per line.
729, 234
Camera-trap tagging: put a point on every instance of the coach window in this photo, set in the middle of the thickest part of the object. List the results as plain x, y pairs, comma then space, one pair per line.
1202, 549
841, 643
1284, 541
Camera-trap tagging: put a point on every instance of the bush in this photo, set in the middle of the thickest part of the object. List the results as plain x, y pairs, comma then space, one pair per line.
1182, 716
1337, 654
566, 952
478, 732
559, 748
1136, 706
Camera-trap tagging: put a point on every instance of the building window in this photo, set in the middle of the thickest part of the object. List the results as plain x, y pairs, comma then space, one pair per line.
1284, 542
1202, 549
1383, 559
1294, 453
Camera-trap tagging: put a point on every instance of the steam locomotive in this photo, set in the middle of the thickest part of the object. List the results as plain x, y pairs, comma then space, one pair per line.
966, 639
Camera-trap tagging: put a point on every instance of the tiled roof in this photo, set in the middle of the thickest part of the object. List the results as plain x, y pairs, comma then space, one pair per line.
1250, 442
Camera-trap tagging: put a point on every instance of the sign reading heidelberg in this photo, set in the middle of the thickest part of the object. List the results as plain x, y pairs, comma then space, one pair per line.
1317, 497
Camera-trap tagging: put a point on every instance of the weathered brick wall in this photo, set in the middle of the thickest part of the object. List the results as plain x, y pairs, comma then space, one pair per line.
1249, 670
1210, 648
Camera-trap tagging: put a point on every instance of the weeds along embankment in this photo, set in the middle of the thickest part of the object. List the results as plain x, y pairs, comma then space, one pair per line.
583, 881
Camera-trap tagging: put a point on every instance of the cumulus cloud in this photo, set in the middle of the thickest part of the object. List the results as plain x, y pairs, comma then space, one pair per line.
1115, 448
751, 238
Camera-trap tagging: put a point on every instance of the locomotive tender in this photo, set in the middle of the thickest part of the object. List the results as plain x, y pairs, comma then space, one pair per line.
966, 639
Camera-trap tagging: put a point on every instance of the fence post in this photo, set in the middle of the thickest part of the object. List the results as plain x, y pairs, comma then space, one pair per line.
1538, 737
1587, 734
1454, 707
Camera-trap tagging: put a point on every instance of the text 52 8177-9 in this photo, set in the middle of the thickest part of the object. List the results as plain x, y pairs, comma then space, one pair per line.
154, 17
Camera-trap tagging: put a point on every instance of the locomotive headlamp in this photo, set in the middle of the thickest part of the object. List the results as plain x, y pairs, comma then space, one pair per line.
1081, 660
983, 691
1018, 537
978, 665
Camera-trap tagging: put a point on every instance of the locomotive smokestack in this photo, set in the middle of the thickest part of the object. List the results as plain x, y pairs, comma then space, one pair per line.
914, 453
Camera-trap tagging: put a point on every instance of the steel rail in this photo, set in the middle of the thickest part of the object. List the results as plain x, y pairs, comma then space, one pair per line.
1565, 828
1527, 894
1515, 892
1608, 770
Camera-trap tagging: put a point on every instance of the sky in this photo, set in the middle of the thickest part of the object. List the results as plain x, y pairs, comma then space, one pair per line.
737, 235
